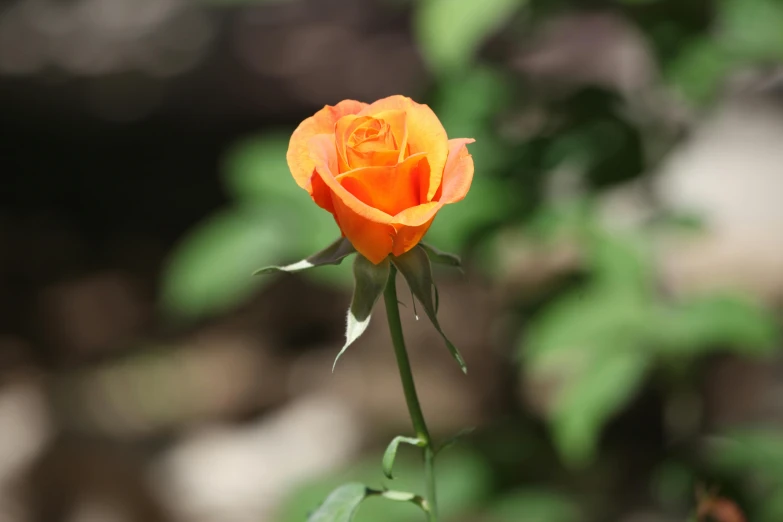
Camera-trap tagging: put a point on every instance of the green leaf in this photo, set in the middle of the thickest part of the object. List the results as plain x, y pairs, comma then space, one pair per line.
441, 258
742, 450
464, 483
469, 107
715, 322
590, 350
771, 506
405, 496
256, 175
582, 324
590, 400
369, 282
672, 483
208, 272
699, 69
754, 454
489, 201
391, 452
256, 170
415, 266
534, 505
399, 496
341, 504
331, 255
620, 265
752, 28
449, 32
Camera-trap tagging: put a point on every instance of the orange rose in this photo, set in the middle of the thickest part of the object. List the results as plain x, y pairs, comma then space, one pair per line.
383, 170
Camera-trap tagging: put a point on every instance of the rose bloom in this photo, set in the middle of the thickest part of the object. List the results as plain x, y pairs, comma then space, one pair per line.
383, 170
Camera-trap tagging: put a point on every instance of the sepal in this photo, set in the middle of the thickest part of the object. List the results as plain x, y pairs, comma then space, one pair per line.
440, 257
331, 255
416, 268
369, 282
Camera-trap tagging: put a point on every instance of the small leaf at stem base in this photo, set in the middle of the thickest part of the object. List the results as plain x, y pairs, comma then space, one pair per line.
369, 282
341, 504
331, 255
391, 452
405, 496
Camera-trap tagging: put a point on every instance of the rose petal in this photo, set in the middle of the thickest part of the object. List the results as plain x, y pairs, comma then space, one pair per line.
383, 158
425, 134
343, 129
416, 216
367, 228
458, 174
397, 121
379, 150
391, 189
371, 239
412, 223
321, 194
323, 122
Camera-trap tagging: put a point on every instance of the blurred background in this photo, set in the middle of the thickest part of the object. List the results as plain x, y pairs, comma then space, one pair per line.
623, 247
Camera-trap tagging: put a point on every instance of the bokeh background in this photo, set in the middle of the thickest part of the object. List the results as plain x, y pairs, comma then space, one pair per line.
623, 246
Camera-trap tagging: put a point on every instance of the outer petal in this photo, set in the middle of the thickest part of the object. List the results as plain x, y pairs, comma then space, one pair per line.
424, 134
322, 122
408, 237
458, 174
367, 228
371, 239
411, 224
391, 189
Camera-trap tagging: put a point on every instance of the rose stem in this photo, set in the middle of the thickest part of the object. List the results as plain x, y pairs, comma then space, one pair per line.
409, 388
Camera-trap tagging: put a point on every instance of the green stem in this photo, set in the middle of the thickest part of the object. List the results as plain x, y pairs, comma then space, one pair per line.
429, 479
409, 388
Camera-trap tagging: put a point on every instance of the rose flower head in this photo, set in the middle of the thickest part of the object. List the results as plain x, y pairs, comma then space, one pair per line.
383, 170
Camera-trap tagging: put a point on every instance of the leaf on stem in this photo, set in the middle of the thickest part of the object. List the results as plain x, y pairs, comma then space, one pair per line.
331, 255
369, 282
341, 504
416, 268
404, 496
391, 452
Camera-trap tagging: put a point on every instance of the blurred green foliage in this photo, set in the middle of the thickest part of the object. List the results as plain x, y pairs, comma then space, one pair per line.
534, 505
599, 341
464, 481
271, 220
449, 32
756, 454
